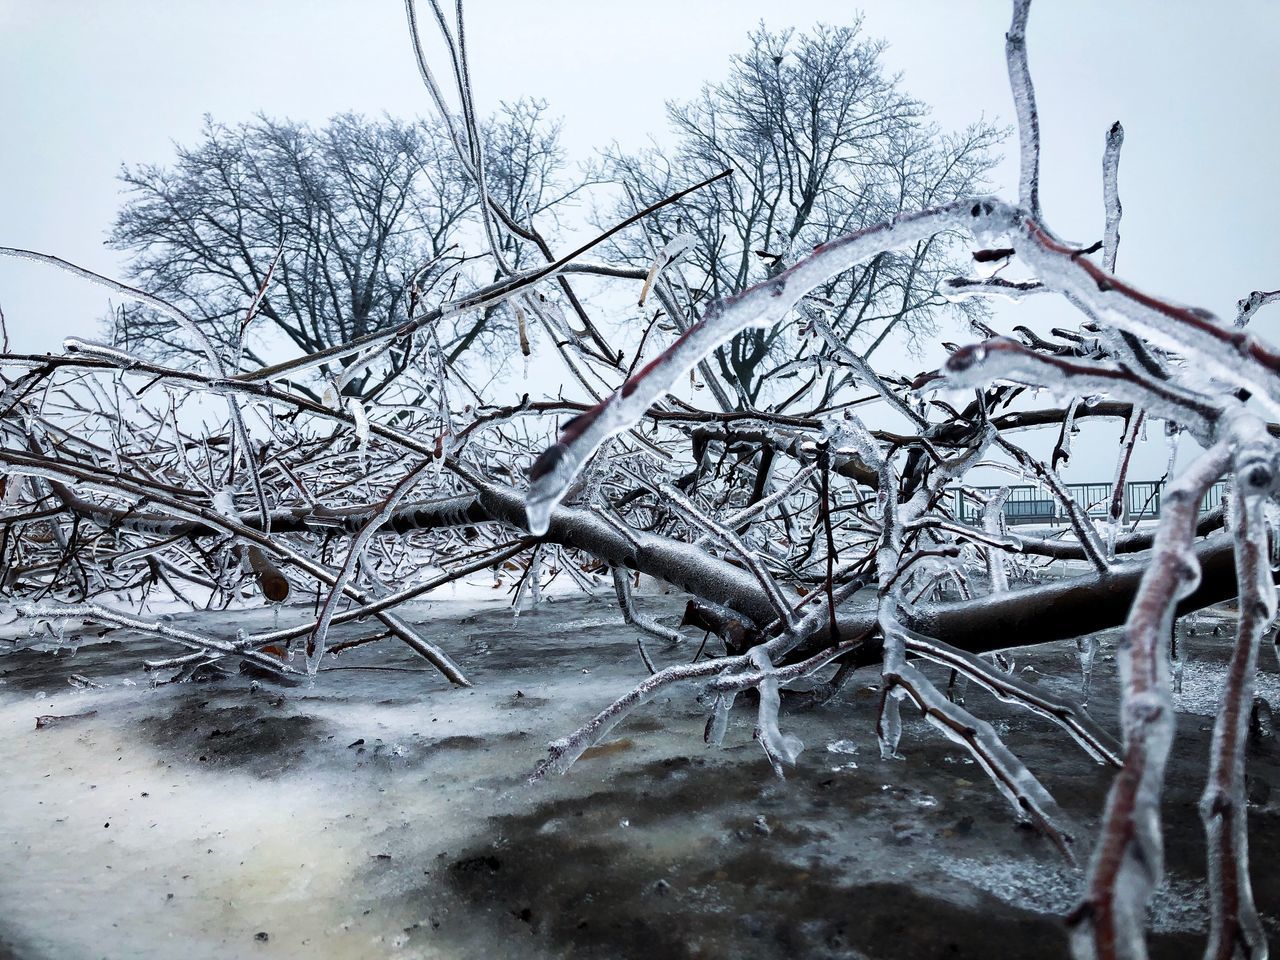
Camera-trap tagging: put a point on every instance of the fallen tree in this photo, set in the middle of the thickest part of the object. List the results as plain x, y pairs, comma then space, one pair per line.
810, 543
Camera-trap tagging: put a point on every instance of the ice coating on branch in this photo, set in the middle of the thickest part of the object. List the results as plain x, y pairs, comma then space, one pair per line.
764, 504
1111, 196
562, 753
1115, 511
690, 512
763, 305
1128, 860
1235, 927
99, 613
1171, 434
1271, 514
992, 515
1255, 455
1247, 307
1029, 799
93, 348
535, 576
622, 589
1005, 686
1062, 452
340, 585
14, 491
224, 502
358, 366
1220, 351
669, 254
1024, 100
852, 431
902, 680
1005, 359
865, 373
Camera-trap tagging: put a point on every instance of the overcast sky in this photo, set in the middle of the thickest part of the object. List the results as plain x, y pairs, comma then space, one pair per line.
86, 86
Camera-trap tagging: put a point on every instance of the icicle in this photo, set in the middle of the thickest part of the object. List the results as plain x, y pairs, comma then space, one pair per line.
718, 720
889, 729
356, 409
956, 687
778, 747
535, 576
1171, 432
1087, 649
1176, 660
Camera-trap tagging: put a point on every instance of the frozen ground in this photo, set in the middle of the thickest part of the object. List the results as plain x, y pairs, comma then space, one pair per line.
379, 813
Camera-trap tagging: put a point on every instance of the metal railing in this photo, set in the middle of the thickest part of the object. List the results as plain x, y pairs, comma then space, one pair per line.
1034, 504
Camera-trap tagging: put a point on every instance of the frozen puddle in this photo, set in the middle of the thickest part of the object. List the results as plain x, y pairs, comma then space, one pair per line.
379, 813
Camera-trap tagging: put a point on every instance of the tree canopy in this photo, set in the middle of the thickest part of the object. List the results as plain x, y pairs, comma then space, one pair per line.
822, 142
355, 222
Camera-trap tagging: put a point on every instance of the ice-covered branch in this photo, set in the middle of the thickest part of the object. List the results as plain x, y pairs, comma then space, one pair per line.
763, 305
1024, 101
644, 623
316, 643
1246, 308
1111, 196
1128, 860
1235, 929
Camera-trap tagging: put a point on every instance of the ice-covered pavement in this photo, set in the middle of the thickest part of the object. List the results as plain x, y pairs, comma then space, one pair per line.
380, 813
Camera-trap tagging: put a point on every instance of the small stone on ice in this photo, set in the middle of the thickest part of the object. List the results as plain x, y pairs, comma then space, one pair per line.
262, 936
762, 826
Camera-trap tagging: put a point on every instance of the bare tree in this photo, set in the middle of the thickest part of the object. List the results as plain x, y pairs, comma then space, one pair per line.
822, 143
344, 230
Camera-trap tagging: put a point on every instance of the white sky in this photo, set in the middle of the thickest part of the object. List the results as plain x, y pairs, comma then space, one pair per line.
86, 86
